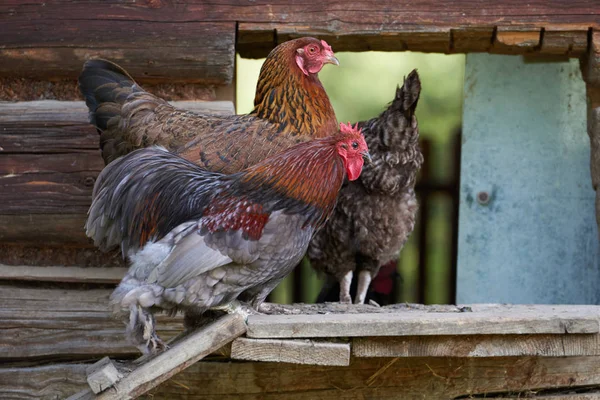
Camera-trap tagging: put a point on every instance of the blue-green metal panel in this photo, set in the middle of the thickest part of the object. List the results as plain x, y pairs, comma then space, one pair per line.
525, 143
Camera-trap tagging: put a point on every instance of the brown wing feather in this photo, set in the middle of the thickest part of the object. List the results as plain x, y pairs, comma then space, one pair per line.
290, 108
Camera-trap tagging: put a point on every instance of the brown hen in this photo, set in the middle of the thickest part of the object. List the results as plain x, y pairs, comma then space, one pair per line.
291, 106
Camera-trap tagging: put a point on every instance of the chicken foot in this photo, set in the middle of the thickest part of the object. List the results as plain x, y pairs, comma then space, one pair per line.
345, 288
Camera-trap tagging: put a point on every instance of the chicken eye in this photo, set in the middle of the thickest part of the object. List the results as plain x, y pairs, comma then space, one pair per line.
312, 49
354, 145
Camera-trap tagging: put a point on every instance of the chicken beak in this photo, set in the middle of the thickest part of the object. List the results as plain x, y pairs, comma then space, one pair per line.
331, 59
367, 157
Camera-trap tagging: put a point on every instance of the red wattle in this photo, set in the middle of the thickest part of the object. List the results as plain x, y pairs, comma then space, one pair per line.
354, 168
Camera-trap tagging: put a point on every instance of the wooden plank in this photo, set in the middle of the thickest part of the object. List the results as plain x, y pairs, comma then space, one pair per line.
382, 379
472, 40
62, 274
365, 378
201, 52
478, 346
69, 29
62, 324
513, 320
45, 229
50, 160
291, 351
180, 356
561, 42
42, 382
75, 112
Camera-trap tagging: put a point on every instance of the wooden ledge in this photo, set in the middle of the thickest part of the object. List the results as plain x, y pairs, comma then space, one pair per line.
389, 321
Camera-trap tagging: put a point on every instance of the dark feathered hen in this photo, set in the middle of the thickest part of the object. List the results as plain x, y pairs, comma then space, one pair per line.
290, 106
376, 214
198, 239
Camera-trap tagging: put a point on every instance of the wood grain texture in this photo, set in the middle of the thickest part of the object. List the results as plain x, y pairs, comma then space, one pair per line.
191, 51
291, 351
162, 38
440, 378
64, 324
61, 274
102, 375
383, 378
48, 382
488, 320
478, 346
180, 356
48, 165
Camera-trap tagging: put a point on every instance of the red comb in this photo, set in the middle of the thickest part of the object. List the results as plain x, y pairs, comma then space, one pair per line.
348, 128
326, 46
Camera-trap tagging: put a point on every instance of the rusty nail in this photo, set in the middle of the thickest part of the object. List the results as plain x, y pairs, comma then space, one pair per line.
483, 198
89, 181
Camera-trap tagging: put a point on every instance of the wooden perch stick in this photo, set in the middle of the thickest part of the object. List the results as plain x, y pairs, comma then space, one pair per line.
184, 353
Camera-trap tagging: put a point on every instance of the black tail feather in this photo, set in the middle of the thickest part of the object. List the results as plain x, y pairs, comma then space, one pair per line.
105, 86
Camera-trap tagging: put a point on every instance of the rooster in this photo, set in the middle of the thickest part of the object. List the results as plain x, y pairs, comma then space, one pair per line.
376, 214
290, 106
198, 239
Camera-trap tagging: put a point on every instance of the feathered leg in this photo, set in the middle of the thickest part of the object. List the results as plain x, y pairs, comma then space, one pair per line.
345, 283
141, 331
364, 280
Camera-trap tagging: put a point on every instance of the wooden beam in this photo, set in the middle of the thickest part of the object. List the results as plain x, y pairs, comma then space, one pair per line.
180, 356
490, 320
478, 346
375, 378
194, 40
291, 351
383, 378
191, 51
62, 274
50, 160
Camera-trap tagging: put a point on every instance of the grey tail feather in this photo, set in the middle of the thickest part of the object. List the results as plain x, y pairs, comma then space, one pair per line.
105, 86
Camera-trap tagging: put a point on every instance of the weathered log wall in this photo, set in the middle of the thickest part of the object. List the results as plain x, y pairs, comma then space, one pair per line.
148, 37
48, 165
